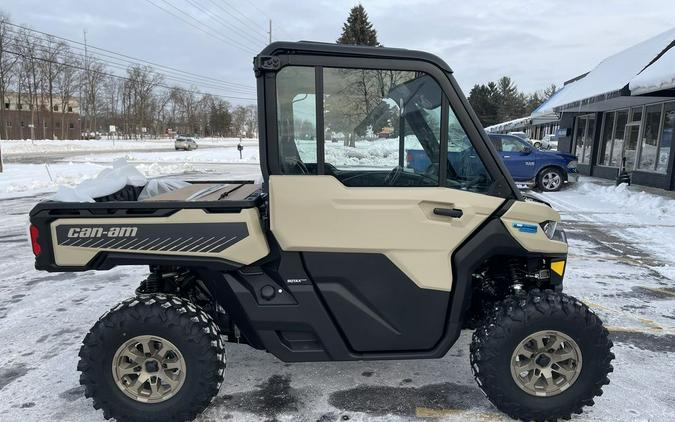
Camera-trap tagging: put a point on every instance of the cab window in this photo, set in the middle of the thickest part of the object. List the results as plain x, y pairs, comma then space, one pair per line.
382, 127
296, 120
507, 143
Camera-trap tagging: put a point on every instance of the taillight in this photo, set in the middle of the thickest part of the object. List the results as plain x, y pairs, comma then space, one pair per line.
34, 235
409, 157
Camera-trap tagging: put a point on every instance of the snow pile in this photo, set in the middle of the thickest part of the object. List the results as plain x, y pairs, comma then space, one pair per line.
638, 202
107, 182
36, 178
660, 75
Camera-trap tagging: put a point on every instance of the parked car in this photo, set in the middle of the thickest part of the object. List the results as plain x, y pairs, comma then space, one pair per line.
547, 142
546, 170
521, 135
186, 144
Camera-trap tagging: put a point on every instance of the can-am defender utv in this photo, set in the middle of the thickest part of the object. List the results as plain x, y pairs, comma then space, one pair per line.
341, 254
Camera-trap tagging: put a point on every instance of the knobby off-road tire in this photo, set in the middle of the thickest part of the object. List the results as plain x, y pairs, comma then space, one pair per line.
521, 317
172, 322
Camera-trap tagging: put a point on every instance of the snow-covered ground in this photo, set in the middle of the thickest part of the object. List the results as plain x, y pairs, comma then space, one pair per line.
45, 147
80, 160
621, 263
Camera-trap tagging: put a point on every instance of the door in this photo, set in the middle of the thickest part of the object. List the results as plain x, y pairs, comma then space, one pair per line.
630, 144
376, 238
518, 157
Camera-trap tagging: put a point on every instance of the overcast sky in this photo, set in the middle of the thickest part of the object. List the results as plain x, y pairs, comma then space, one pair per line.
534, 42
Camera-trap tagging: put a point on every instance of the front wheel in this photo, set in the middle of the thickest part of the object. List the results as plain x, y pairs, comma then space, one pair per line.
550, 179
537, 145
541, 356
151, 358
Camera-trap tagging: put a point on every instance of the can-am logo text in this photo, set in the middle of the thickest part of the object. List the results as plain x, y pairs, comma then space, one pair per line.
100, 232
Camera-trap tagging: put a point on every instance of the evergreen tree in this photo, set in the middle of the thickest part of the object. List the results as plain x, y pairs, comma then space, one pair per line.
358, 30
549, 91
483, 101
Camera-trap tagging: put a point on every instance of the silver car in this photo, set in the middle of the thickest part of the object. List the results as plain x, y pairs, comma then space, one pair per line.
186, 144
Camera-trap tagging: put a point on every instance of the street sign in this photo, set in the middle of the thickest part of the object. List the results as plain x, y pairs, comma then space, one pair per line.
112, 129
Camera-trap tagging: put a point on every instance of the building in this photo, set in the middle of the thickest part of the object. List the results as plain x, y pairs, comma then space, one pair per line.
536, 127
16, 119
622, 113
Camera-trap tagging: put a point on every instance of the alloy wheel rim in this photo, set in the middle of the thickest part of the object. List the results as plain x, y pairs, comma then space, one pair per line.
546, 363
148, 369
551, 180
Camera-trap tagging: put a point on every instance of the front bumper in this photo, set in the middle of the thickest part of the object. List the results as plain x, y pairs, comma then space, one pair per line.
572, 177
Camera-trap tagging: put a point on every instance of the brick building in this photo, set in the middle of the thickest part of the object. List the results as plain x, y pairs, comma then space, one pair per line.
16, 119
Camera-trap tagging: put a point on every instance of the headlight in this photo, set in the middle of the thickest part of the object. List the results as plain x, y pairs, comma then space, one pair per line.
572, 164
549, 228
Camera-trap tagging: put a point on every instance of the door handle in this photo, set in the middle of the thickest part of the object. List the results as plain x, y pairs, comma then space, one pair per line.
449, 212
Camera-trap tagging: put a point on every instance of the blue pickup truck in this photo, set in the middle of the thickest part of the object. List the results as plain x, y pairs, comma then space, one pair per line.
546, 170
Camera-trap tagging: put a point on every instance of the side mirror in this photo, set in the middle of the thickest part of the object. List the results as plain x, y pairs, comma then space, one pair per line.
527, 150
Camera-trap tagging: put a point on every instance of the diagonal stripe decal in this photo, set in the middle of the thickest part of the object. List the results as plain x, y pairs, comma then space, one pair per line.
174, 238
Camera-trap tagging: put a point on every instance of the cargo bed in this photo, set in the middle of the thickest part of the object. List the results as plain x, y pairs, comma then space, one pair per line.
209, 223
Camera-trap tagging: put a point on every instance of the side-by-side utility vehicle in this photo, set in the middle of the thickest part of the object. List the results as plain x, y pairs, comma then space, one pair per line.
340, 254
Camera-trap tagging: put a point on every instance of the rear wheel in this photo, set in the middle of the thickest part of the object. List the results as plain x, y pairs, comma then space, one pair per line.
537, 145
152, 357
550, 179
541, 356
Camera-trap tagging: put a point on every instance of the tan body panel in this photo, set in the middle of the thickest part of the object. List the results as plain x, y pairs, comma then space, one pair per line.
533, 213
320, 214
245, 251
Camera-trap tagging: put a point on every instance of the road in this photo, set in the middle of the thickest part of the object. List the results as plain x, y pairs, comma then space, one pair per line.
44, 316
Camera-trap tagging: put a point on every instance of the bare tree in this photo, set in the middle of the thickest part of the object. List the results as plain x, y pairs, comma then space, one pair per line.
93, 74
28, 46
51, 68
142, 82
7, 62
66, 85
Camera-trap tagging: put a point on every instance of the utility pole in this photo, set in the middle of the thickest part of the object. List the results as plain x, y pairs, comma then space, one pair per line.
269, 32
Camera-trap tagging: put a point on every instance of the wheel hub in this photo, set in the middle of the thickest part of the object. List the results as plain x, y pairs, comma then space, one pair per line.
148, 369
546, 363
543, 360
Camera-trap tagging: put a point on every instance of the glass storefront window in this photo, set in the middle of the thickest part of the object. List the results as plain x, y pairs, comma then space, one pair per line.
583, 137
607, 132
636, 114
579, 137
621, 120
650, 137
588, 140
631, 143
666, 137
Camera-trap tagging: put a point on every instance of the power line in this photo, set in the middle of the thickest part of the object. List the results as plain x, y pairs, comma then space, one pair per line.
252, 4
123, 66
130, 59
120, 77
215, 35
262, 30
225, 23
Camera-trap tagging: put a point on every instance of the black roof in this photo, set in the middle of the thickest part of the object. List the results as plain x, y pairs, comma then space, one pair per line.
330, 49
